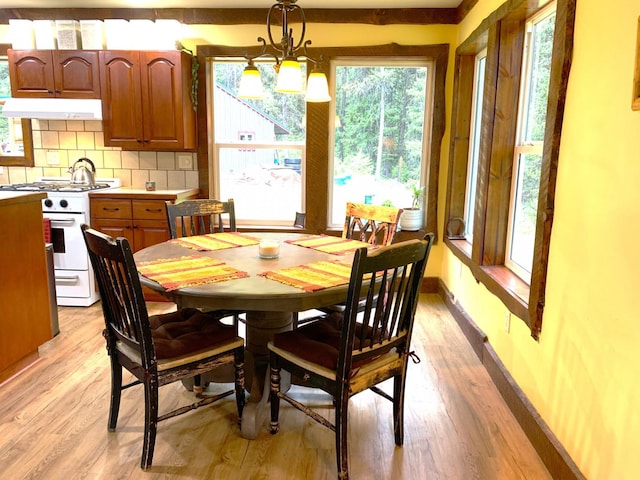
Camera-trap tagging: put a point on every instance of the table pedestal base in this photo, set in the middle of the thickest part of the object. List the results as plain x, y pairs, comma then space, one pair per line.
261, 327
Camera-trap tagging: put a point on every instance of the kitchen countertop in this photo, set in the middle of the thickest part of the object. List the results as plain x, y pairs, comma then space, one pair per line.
11, 197
129, 192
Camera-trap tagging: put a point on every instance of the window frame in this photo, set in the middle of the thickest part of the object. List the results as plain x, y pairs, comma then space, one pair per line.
502, 33
316, 173
474, 141
27, 159
377, 61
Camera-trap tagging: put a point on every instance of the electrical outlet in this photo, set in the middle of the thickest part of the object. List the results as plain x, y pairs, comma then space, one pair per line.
507, 321
185, 162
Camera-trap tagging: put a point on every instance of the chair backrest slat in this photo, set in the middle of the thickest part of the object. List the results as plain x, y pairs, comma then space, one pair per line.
389, 281
373, 224
200, 216
123, 305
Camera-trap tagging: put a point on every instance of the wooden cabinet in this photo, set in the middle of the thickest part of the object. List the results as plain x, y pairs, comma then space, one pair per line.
54, 73
137, 215
142, 222
25, 322
146, 100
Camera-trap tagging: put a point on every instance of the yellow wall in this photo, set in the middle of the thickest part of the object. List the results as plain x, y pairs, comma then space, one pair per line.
582, 376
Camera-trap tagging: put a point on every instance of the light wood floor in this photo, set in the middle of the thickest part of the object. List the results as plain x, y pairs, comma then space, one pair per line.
53, 421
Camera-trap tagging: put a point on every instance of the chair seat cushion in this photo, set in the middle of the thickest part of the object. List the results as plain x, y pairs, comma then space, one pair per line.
319, 341
187, 330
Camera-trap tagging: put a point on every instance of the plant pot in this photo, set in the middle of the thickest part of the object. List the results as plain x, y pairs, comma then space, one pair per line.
411, 219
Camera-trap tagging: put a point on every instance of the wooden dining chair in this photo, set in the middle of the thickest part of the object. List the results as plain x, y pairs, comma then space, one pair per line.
200, 216
346, 353
160, 349
374, 224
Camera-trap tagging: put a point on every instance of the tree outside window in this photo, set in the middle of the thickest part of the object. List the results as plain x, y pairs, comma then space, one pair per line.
378, 135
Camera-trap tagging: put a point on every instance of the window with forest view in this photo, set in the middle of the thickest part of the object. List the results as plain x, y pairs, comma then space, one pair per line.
474, 148
528, 150
258, 157
378, 146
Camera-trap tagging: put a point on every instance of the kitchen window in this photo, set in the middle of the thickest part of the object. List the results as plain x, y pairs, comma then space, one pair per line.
380, 130
474, 148
527, 67
256, 142
527, 162
304, 145
15, 134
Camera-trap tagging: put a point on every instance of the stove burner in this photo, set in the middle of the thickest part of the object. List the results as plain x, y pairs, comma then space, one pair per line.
53, 187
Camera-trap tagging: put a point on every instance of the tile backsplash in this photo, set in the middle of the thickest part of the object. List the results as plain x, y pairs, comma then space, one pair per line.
57, 144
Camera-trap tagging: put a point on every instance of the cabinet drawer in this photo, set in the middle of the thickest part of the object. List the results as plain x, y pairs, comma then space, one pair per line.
111, 208
149, 210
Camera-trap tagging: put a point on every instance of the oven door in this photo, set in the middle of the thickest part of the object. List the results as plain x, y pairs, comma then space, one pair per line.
69, 249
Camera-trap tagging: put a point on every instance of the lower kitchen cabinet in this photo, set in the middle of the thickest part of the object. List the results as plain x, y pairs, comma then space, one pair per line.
25, 321
137, 215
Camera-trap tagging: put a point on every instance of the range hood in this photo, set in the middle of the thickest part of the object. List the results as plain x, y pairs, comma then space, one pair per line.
53, 108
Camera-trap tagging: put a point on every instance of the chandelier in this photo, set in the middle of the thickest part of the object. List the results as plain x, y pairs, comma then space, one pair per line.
289, 74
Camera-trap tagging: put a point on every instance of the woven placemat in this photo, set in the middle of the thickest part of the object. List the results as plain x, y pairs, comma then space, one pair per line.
216, 241
330, 244
313, 276
188, 271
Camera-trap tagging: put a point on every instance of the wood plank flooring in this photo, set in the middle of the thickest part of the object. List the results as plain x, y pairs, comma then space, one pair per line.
53, 420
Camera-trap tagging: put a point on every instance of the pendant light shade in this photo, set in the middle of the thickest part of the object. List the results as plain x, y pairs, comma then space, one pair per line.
289, 77
317, 88
250, 83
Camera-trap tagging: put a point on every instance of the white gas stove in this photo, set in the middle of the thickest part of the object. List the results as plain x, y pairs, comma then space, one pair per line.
64, 210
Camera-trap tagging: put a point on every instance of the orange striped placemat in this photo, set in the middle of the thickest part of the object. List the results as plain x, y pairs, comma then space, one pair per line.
188, 271
216, 241
330, 244
313, 276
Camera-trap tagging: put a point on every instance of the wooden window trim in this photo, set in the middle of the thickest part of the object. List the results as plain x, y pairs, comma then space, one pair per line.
502, 34
317, 141
25, 160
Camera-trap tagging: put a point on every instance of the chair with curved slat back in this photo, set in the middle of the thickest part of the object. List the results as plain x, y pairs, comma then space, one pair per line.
346, 353
160, 349
200, 216
374, 224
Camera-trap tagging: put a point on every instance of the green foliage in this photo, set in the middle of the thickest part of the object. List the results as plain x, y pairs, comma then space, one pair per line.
387, 203
416, 195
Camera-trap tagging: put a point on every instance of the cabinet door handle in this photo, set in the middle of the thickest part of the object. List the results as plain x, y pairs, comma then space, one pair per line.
138, 140
110, 209
135, 227
153, 210
57, 91
146, 140
50, 92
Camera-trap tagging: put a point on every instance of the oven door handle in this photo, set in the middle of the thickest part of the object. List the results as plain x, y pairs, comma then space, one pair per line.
67, 279
64, 221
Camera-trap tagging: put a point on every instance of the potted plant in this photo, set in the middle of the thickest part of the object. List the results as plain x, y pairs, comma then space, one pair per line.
411, 218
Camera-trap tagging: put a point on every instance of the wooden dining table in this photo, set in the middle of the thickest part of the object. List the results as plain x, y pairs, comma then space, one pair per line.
269, 304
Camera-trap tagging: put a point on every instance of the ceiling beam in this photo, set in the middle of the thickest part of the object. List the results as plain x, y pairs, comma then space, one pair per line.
241, 16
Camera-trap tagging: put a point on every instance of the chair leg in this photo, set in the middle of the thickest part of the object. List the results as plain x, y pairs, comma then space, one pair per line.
239, 382
116, 393
150, 421
398, 407
273, 396
341, 421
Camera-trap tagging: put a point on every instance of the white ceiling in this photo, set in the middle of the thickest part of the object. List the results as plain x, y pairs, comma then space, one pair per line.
327, 4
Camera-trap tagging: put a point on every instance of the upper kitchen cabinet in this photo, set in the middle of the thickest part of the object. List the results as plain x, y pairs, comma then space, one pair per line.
146, 100
54, 73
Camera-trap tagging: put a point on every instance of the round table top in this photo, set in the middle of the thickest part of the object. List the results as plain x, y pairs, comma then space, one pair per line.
255, 292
